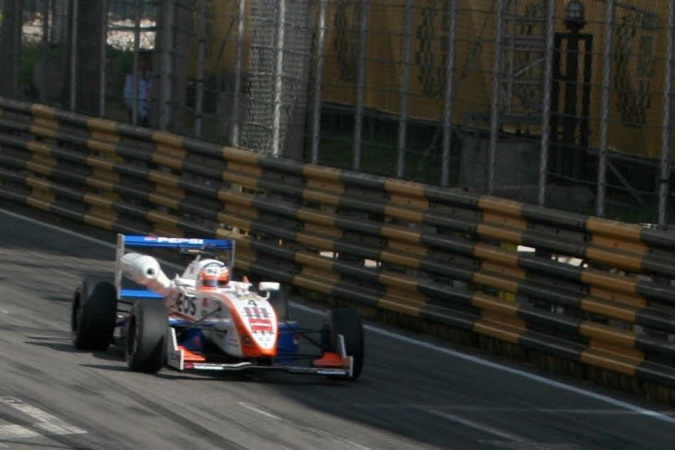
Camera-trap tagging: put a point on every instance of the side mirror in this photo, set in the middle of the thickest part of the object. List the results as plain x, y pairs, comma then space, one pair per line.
268, 286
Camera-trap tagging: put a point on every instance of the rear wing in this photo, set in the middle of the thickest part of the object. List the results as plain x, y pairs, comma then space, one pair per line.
126, 289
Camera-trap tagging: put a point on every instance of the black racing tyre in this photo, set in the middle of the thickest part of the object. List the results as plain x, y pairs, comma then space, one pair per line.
346, 321
279, 301
146, 330
93, 314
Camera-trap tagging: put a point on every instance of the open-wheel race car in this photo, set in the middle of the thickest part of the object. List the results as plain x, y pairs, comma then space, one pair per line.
203, 319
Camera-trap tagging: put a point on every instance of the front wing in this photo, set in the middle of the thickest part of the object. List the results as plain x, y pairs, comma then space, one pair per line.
340, 364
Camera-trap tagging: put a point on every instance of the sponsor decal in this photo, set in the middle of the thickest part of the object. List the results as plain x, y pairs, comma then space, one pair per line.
259, 319
207, 367
331, 372
172, 240
261, 325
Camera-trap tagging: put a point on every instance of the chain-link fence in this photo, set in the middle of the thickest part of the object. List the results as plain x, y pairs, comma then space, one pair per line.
561, 103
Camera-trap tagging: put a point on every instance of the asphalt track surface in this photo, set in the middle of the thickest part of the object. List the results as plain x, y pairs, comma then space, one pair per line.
415, 392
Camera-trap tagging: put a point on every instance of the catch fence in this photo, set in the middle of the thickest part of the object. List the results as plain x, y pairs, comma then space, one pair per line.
566, 104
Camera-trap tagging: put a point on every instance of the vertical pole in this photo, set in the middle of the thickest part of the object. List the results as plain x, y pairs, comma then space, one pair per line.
570, 119
666, 164
318, 83
103, 61
236, 102
135, 68
10, 51
201, 56
73, 53
604, 110
166, 66
56, 30
16, 67
546, 101
449, 93
278, 79
360, 84
496, 96
44, 51
20, 8
405, 87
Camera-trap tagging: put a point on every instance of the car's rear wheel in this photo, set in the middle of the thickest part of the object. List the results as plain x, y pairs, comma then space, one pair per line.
346, 322
93, 314
146, 330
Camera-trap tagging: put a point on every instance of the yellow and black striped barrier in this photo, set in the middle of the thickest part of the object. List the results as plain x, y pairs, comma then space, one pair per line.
438, 258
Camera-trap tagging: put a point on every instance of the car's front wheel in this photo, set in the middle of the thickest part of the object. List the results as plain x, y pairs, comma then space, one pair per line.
146, 330
346, 322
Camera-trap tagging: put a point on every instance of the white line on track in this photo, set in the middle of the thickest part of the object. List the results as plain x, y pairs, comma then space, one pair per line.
510, 440
259, 411
502, 410
446, 351
344, 443
8, 432
476, 425
45, 421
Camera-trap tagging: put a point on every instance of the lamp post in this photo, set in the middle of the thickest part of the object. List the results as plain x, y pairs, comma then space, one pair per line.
574, 20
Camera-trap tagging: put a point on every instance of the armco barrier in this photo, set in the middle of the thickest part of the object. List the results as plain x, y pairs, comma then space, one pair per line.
443, 260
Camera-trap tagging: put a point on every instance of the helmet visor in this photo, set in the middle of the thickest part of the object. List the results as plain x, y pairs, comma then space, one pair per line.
210, 282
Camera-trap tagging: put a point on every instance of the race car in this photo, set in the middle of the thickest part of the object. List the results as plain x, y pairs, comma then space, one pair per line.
203, 319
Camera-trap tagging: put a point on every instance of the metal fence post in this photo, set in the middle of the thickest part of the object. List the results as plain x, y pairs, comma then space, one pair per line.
46, 20
405, 87
318, 83
199, 75
166, 65
495, 113
10, 36
546, 101
449, 94
135, 68
72, 98
604, 107
236, 103
360, 85
278, 78
666, 164
104, 59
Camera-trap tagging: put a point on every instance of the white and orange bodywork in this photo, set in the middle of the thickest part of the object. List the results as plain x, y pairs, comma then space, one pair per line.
240, 323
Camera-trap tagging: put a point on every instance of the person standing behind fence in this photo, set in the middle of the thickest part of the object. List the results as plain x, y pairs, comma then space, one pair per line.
142, 82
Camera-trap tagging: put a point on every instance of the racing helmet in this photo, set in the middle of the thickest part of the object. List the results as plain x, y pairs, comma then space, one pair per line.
213, 276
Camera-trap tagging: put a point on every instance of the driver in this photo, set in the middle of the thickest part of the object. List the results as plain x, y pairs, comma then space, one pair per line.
213, 276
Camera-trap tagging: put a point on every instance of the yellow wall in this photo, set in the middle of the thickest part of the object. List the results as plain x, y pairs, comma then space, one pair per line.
637, 80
